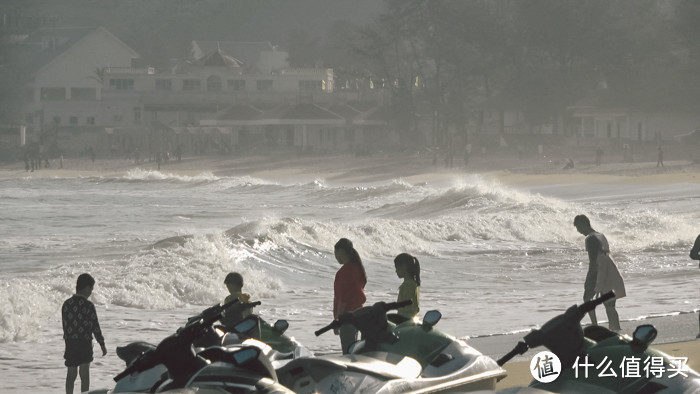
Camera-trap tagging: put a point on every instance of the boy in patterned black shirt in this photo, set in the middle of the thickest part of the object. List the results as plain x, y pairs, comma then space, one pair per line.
79, 325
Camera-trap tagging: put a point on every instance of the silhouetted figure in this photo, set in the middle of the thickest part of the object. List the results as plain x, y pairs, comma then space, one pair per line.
80, 323
234, 314
603, 274
569, 164
660, 160
178, 152
348, 289
408, 268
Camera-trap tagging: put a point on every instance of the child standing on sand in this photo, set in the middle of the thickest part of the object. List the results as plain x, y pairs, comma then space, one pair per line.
408, 268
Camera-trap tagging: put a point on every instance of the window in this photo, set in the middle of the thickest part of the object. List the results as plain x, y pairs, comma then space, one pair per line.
164, 84
73, 120
90, 120
121, 84
137, 114
154, 115
236, 84
83, 93
53, 94
310, 86
264, 84
191, 84
214, 84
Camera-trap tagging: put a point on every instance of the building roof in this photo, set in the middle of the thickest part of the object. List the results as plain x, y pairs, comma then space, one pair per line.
218, 58
302, 113
343, 110
247, 52
309, 112
240, 112
36, 51
42, 46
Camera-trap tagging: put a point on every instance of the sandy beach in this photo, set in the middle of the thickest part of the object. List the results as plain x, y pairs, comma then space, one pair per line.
419, 168
414, 167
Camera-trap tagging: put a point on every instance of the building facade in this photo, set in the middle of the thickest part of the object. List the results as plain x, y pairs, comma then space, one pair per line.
86, 94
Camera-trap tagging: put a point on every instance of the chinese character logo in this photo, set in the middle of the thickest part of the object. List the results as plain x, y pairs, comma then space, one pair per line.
545, 367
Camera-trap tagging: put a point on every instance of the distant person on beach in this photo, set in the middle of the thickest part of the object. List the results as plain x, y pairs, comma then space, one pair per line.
569, 164
408, 269
348, 289
234, 314
603, 274
79, 325
178, 152
660, 160
695, 255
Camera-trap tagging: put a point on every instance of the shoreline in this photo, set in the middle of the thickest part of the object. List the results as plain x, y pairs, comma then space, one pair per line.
413, 168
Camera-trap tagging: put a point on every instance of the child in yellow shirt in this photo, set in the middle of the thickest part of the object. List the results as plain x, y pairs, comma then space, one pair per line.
408, 268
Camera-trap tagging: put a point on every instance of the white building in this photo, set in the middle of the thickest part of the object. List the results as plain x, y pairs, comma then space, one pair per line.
65, 86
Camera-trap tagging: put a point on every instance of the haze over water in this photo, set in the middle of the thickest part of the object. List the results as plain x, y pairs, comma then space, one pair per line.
495, 259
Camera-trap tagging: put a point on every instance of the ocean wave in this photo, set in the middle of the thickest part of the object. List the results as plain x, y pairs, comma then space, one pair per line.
359, 193
165, 278
139, 174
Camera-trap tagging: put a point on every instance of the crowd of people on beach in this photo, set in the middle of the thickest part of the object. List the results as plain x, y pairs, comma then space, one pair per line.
80, 322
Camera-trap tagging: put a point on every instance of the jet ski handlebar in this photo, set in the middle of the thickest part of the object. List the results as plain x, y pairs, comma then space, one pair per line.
347, 317
218, 308
195, 327
556, 327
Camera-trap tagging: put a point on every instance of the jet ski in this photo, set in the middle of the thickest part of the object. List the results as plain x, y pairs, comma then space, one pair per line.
597, 360
411, 356
175, 366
